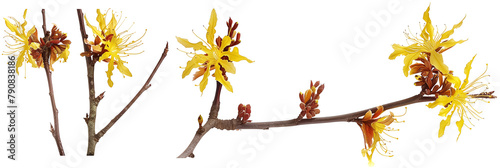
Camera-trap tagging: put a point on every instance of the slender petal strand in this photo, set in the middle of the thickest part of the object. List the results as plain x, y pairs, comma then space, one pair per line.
218, 54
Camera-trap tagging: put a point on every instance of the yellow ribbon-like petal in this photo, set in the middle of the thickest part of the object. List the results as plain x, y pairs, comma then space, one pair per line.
451, 43
187, 44
104, 56
452, 30
19, 63
444, 111
441, 100
211, 28
101, 20
235, 56
30, 32
408, 61
10, 26
443, 125
123, 69
402, 50
428, 31
225, 42
228, 66
467, 69
109, 73
204, 81
112, 24
453, 79
460, 124
436, 59
94, 29
194, 63
64, 55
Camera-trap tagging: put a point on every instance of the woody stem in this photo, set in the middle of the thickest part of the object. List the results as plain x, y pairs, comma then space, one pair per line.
235, 124
48, 73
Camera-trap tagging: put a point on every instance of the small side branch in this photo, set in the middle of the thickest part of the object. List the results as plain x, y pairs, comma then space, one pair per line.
144, 88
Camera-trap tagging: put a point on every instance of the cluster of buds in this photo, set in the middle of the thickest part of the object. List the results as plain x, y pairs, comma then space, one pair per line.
244, 113
231, 32
432, 81
309, 100
55, 43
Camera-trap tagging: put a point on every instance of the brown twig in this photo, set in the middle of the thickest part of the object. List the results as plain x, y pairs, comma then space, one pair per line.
144, 88
44, 26
234, 124
46, 57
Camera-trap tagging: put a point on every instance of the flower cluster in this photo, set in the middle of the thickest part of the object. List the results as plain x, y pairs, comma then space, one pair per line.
30, 48
434, 77
217, 54
461, 100
430, 45
374, 128
110, 45
56, 43
244, 113
309, 100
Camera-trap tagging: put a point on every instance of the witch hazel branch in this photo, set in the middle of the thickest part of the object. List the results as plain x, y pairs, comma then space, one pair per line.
423, 59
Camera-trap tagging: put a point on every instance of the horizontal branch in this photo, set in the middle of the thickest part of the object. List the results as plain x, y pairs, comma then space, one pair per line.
234, 124
338, 118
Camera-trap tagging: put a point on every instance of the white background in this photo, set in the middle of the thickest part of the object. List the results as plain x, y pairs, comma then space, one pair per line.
291, 42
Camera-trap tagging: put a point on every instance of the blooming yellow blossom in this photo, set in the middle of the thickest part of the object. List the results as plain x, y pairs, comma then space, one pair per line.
116, 44
461, 101
215, 57
21, 44
430, 43
373, 129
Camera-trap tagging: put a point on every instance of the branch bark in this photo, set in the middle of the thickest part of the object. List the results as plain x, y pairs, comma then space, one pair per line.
90, 119
46, 65
234, 124
212, 121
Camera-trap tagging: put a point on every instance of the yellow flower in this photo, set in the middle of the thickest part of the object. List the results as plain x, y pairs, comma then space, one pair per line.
430, 44
373, 128
461, 101
116, 44
21, 43
215, 57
